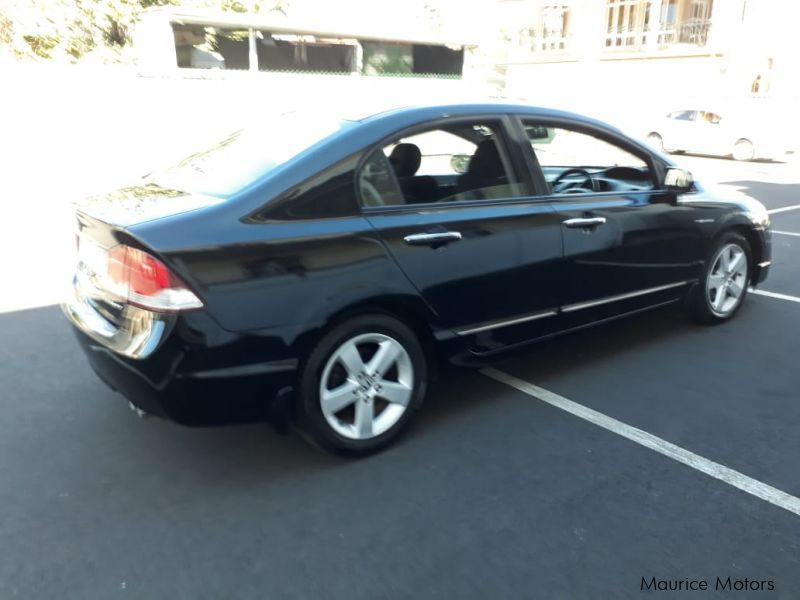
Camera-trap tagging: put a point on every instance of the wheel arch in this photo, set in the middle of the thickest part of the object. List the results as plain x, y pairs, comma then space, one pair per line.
655, 133
410, 311
756, 251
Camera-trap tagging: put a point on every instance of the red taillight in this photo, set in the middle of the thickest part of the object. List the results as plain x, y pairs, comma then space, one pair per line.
148, 276
147, 282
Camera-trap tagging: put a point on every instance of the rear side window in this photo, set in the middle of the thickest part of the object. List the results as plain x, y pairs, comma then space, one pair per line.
455, 162
329, 194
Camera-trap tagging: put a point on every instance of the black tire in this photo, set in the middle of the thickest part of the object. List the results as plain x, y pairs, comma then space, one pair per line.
700, 304
309, 415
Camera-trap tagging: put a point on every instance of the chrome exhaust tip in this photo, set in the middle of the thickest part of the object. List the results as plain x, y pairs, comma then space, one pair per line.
139, 412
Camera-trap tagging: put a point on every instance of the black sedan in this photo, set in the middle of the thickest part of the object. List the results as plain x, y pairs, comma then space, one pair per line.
321, 267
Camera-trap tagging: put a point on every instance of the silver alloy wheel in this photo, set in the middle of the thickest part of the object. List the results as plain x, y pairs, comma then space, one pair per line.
363, 398
727, 280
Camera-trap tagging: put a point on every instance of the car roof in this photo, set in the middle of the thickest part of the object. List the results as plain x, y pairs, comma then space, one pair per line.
423, 112
369, 125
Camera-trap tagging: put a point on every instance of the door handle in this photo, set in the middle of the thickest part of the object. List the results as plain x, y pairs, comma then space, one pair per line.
582, 222
430, 239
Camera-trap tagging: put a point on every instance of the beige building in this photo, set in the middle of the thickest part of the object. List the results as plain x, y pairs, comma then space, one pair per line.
620, 54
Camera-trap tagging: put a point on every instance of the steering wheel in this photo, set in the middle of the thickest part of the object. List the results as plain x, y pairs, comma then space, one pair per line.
587, 178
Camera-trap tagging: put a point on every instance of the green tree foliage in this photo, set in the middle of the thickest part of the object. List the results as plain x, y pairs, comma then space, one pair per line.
72, 29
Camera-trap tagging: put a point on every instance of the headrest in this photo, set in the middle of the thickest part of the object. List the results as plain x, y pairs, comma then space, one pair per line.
486, 160
405, 159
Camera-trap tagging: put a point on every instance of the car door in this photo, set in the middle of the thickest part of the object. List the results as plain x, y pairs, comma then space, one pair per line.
627, 243
712, 135
478, 246
682, 133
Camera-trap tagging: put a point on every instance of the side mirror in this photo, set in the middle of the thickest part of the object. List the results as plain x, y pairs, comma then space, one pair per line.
538, 133
460, 163
678, 180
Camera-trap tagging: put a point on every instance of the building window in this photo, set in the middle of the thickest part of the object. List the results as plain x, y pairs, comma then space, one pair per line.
684, 22
695, 29
546, 30
639, 24
554, 27
626, 23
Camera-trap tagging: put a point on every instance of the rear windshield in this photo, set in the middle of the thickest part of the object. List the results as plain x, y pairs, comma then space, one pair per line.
247, 154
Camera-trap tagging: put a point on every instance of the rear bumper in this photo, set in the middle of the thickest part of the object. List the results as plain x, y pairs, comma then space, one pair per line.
185, 367
166, 385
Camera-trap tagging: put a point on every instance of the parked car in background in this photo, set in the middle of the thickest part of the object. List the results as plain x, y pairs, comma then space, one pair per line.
325, 265
742, 136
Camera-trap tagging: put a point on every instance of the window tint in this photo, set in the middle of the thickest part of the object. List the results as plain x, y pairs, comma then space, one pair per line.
376, 183
574, 162
461, 161
328, 194
683, 115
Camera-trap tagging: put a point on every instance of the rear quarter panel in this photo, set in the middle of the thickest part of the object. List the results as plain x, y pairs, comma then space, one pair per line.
257, 276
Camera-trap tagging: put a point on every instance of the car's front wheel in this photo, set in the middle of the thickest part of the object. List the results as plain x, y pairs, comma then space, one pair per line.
724, 284
743, 150
361, 385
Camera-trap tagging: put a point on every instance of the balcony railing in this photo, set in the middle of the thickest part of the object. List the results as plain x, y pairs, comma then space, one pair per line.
537, 42
552, 43
626, 38
692, 33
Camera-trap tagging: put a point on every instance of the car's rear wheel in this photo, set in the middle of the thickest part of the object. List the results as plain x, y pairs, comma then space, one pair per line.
655, 141
361, 385
724, 285
743, 150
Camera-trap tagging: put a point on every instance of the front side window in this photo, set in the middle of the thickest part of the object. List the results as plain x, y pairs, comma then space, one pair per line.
683, 115
455, 162
575, 162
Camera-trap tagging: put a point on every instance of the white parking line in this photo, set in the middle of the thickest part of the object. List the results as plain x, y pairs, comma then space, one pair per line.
738, 480
783, 209
786, 233
775, 295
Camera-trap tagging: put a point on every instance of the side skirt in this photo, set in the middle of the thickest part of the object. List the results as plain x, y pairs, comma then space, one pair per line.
478, 359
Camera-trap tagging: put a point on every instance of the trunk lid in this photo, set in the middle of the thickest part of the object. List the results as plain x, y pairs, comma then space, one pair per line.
143, 202
103, 223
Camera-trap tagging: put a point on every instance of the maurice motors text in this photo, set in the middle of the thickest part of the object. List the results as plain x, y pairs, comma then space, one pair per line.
728, 584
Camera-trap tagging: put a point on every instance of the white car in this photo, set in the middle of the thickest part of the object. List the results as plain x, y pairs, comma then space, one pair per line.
706, 132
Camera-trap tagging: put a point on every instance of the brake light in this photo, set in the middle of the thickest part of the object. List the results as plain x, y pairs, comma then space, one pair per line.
146, 282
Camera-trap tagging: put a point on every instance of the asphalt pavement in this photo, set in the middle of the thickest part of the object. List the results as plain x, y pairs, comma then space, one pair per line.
492, 493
